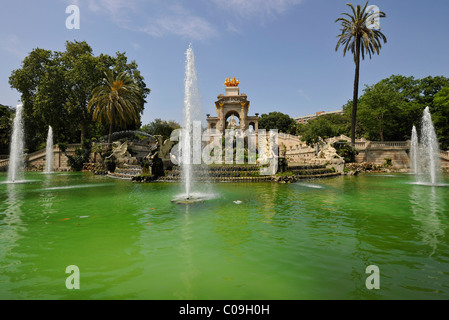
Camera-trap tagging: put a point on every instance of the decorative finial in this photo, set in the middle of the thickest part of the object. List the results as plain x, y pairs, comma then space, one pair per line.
232, 82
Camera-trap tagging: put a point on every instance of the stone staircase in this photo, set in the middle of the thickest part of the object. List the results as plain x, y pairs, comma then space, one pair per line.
126, 171
248, 173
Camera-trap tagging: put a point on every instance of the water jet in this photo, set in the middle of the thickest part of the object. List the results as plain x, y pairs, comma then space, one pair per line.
49, 152
425, 153
188, 142
16, 157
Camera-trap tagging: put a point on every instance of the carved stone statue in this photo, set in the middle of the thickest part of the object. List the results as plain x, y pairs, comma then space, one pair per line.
120, 153
232, 124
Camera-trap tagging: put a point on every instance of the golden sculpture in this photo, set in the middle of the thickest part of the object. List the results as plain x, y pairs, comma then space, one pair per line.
232, 82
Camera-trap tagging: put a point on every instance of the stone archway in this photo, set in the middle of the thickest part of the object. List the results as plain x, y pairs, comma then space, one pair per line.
252, 126
232, 120
232, 103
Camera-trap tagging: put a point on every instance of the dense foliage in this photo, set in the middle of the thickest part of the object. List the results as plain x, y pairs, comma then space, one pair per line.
116, 102
160, 127
277, 120
6, 118
56, 88
325, 126
388, 110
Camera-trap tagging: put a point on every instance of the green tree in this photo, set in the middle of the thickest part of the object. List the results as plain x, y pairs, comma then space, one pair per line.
357, 37
160, 127
389, 109
429, 87
118, 101
6, 118
440, 114
277, 120
379, 110
56, 88
83, 72
325, 126
36, 69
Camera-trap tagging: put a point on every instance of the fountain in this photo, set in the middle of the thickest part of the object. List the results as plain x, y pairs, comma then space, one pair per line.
414, 148
190, 145
425, 156
49, 154
16, 162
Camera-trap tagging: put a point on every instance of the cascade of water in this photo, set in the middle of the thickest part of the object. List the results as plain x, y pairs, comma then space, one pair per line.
16, 162
414, 148
49, 152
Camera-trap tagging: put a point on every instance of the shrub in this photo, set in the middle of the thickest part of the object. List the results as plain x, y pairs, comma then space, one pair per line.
345, 150
81, 156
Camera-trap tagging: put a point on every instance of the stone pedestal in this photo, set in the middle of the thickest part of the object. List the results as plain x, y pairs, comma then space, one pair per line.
232, 91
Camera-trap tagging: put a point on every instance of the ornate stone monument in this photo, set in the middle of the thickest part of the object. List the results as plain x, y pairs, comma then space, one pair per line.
232, 104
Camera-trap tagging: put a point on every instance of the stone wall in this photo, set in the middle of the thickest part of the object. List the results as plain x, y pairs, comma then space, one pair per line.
36, 161
380, 153
296, 150
374, 152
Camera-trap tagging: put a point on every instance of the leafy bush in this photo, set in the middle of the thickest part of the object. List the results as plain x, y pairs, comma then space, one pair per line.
81, 156
345, 150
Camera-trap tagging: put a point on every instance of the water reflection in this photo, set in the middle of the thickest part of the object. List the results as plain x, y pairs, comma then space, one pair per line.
189, 272
11, 224
46, 198
426, 206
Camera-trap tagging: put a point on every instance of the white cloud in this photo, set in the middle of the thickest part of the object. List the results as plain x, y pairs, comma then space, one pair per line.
135, 45
114, 7
256, 8
181, 22
303, 94
160, 18
118, 10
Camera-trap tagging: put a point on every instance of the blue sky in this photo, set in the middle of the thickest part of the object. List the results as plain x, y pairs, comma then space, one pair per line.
283, 51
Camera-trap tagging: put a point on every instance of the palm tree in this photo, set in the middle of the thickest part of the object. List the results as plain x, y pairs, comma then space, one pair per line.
117, 101
359, 38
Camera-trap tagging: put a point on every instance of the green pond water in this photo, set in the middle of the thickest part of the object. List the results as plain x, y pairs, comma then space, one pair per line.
306, 240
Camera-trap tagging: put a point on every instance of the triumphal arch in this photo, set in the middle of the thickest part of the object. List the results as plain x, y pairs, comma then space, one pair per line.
232, 110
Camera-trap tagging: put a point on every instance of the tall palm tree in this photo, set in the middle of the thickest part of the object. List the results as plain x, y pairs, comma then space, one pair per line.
117, 101
359, 38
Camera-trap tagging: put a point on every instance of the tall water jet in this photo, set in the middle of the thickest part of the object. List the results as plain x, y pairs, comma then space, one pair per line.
430, 165
414, 149
192, 109
190, 140
49, 152
16, 162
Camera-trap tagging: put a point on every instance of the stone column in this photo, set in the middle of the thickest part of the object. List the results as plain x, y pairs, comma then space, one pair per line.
243, 114
220, 123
